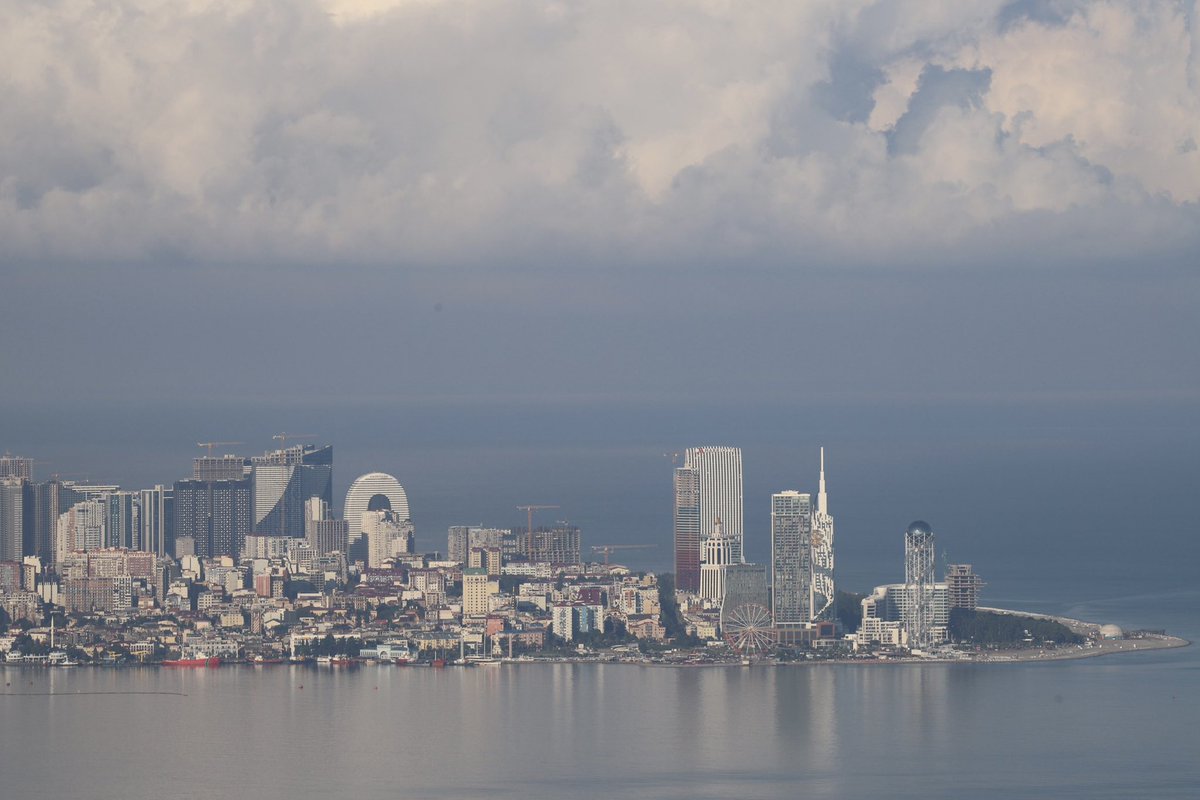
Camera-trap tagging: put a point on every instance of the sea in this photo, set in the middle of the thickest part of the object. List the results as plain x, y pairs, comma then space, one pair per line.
1084, 514
1119, 726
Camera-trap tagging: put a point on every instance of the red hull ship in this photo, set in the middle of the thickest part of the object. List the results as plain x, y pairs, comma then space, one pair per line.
193, 662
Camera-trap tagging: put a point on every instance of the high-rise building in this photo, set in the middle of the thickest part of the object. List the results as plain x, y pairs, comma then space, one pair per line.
323, 533
123, 527
387, 536
711, 479
476, 591
717, 555
214, 516
50, 499
558, 545
963, 585
461, 539
156, 520
284, 480
375, 491
791, 554
456, 543
16, 467
13, 496
821, 588
918, 618
687, 529
81, 528
218, 468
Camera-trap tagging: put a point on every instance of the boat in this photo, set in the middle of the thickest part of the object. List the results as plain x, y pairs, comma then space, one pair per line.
204, 661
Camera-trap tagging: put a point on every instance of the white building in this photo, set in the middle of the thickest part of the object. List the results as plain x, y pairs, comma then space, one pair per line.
888, 607
791, 558
81, 527
387, 536
719, 472
477, 589
375, 491
716, 555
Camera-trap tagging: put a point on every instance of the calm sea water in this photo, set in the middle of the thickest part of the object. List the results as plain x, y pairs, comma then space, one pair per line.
1114, 727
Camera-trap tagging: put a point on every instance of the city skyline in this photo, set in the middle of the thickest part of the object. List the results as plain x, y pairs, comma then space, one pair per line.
571, 302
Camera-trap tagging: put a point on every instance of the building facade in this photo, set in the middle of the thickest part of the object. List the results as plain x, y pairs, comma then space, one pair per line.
719, 485
15, 502
687, 529
386, 535
156, 518
919, 610
375, 491
557, 545
215, 516
284, 480
716, 557
791, 558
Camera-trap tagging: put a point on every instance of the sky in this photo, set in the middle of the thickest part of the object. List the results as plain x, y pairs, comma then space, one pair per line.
518, 251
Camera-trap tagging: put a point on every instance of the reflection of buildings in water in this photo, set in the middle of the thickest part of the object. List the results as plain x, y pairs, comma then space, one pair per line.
804, 704
915, 697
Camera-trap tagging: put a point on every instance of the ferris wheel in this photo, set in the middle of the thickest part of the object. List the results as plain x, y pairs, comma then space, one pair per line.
748, 629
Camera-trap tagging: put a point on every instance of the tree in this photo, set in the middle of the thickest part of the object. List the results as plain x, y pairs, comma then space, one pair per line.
670, 616
849, 610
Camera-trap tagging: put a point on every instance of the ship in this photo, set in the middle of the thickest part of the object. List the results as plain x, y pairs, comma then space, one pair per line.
203, 661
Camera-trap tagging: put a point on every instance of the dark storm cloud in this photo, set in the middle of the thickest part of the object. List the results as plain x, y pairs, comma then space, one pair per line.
570, 182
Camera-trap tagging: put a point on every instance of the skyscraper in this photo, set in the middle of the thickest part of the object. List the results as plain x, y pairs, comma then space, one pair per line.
918, 617
387, 535
16, 467
822, 589
791, 558
707, 486
214, 515
123, 527
156, 520
50, 499
375, 491
12, 517
719, 479
557, 545
218, 468
687, 529
81, 527
284, 480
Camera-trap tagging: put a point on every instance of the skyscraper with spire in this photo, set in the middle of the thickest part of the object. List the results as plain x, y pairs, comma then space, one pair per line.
821, 591
802, 556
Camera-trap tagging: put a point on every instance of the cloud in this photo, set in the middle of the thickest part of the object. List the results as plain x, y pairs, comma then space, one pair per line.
422, 133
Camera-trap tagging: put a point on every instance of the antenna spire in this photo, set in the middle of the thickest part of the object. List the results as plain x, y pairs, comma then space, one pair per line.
822, 498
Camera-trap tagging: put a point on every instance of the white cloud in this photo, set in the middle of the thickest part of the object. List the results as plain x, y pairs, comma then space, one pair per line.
415, 131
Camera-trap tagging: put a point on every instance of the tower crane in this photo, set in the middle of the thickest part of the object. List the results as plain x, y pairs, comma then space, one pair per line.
612, 548
211, 445
530, 509
283, 438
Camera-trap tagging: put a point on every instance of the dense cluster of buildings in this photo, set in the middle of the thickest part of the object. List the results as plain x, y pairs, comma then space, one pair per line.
247, 557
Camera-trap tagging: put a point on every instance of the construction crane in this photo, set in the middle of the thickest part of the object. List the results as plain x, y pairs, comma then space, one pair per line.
612, 548
283, 437
211, 445
531, 509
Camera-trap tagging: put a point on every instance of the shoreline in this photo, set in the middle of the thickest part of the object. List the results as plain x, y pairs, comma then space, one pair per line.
1096, 647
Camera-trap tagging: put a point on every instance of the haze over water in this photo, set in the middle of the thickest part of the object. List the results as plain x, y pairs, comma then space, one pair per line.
1111, 727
